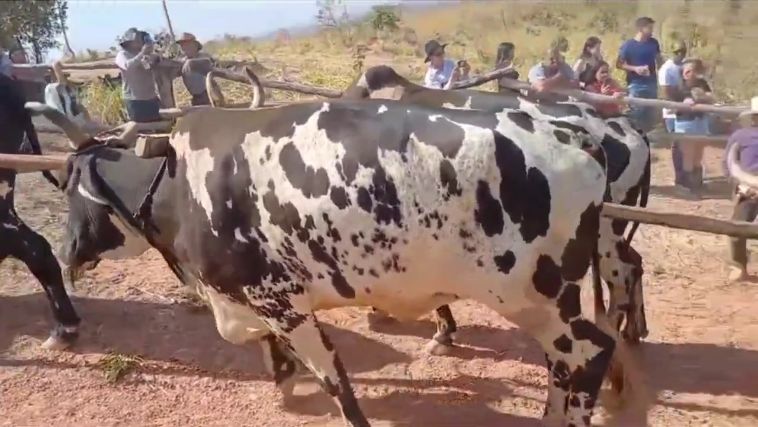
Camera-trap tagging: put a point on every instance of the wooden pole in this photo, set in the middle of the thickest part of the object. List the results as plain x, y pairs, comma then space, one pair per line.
710, 140
24, 163
168, 21
482, 78
66, 43
691, 222
596, 98
273, 84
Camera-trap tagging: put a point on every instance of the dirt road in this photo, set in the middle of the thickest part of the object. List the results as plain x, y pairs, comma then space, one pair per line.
700, 362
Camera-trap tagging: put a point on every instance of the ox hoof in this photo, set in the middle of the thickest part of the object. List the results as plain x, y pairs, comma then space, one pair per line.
378, 318
616, 377
61, 338
737, 274
634, 334
436, 348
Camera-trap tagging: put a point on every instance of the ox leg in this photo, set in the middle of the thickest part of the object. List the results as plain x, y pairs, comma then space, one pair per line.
442, 342
621, 269
33, 250
578, 355
312, 347
281, 363
636, 325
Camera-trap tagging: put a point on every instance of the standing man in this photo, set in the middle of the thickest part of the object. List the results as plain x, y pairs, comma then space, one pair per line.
639, 57
669, 80
193, 79
142, 103
741, 164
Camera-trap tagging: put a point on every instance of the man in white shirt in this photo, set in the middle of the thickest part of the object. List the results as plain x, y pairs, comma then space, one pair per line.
442, 72
669, 79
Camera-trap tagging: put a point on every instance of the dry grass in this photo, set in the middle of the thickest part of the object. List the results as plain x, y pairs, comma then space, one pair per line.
116, 366
720, 32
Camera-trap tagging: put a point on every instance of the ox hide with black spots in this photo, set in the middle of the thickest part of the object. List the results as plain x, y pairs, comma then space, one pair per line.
18, 240
627, 154
275, 213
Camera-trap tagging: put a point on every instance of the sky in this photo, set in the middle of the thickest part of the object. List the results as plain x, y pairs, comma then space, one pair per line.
95, 24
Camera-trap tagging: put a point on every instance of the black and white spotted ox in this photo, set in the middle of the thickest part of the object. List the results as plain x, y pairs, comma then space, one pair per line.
628, 157
275, 213
17, 240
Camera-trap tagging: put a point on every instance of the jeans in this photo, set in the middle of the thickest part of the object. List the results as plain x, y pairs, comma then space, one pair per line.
745, 209
643, 117
143, 110
676, 152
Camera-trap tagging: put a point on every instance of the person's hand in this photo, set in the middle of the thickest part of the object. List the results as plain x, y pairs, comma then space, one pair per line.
619, 95
147, 48
456, 74
465, 68
689, 101
539, 85
642, 70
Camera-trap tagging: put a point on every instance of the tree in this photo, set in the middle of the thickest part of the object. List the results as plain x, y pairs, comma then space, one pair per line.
34, 24
384, 18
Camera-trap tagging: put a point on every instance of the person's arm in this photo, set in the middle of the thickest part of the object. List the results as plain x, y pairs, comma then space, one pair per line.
658, 56
127, 64
621, 61
428, 81
578, 66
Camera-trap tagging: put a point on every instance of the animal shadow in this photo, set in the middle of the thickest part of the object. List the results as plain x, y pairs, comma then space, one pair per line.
472, 341
462, 401
168, 332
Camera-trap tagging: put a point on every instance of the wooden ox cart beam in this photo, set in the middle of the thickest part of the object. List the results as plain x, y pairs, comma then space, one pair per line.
595, 98
690, 222
665, 138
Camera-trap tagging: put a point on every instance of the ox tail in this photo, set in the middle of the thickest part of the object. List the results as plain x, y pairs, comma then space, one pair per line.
644, 189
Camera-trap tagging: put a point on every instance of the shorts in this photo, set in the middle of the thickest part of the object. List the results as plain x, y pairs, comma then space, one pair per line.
696, 126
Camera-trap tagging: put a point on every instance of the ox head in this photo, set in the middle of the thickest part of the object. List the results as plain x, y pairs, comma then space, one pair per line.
104, 186
94, 181
379, 81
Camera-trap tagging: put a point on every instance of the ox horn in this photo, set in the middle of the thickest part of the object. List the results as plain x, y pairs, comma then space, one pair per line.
258, 97
742, 176
214, 91
75, 134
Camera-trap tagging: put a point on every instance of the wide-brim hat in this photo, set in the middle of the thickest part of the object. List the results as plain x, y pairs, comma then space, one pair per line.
189, 38
431, 47
753, 108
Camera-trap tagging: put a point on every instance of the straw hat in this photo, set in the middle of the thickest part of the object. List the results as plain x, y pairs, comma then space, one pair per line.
189, 38
753, 108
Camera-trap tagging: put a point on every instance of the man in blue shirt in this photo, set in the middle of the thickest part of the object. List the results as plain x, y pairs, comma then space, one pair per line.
639, 58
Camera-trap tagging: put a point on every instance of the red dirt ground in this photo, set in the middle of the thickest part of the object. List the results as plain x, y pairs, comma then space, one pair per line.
699, 364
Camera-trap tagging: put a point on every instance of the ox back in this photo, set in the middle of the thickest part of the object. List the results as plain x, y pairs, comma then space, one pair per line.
627, 153
18, 240
278, 212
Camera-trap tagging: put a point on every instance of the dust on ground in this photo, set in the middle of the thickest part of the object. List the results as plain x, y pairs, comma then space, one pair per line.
700, 362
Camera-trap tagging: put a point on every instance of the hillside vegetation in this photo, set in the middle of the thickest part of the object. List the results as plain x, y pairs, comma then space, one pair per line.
722, 33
